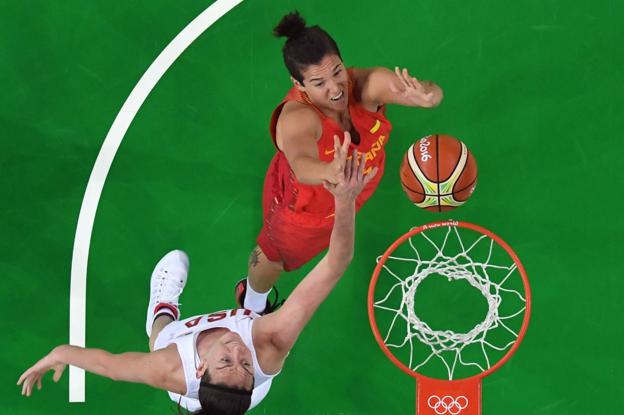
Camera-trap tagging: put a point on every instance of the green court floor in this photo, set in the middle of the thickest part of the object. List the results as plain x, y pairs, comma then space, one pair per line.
533, 87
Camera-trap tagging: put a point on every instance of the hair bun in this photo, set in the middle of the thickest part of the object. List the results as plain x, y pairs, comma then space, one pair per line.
292, 25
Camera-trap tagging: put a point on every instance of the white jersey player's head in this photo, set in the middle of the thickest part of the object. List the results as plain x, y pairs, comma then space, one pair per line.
227, 376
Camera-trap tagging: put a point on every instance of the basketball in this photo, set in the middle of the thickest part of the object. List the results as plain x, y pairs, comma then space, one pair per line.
438, 173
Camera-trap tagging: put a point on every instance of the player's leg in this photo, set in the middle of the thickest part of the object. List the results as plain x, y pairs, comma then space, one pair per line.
292, 245
160, 322
262, 272
265, 263
166, 285
252, 293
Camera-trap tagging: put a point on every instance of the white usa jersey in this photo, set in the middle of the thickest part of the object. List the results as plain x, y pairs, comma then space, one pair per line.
184, 334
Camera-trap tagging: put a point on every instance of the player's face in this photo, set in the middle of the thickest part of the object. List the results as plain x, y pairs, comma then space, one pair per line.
326, 84
230, 362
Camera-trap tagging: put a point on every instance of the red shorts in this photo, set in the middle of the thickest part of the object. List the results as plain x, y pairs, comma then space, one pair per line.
292, 238
287, 239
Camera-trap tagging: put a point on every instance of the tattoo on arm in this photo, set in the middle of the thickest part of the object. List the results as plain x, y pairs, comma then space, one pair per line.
254, 257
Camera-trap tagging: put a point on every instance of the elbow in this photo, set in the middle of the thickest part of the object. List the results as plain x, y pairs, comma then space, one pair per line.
308, 170
298, 171
301, 178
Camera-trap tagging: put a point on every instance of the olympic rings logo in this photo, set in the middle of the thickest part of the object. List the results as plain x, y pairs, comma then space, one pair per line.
447, 404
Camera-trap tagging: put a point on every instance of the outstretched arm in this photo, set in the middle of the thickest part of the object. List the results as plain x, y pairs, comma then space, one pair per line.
381, 86
276, 333
149, 368
297, 132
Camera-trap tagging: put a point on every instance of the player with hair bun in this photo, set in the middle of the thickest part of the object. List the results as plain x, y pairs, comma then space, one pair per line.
327, 101
221, 363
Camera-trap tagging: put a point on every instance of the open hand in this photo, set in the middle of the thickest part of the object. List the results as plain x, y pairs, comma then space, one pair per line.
411, 89
33, 375
336, 168
354, 179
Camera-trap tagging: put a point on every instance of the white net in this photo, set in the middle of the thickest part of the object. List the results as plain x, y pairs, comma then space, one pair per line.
458, 254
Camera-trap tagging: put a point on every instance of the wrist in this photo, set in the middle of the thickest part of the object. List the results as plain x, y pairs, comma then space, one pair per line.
58, 353
343, 201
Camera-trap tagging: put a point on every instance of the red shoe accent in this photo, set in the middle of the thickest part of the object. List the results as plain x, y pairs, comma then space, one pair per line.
174, 310
241, 289
239, 292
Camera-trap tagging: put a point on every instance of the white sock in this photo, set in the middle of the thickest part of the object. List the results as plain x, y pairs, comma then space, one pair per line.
254, 300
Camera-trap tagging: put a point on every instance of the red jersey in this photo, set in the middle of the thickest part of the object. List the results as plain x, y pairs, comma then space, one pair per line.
374, 130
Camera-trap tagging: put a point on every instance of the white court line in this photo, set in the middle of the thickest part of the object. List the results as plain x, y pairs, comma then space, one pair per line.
80, 256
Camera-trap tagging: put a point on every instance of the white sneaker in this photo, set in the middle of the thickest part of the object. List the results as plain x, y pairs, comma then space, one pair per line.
167, 283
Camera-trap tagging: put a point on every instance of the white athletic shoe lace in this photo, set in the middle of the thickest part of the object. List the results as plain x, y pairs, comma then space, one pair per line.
168, 288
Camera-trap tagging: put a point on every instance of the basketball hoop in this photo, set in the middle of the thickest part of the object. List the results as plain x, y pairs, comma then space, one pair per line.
448, 365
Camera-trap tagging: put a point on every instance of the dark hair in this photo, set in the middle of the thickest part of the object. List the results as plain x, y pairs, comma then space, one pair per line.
220, 399
305, 45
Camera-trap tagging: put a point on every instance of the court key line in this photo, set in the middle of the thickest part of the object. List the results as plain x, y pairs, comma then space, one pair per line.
82, 240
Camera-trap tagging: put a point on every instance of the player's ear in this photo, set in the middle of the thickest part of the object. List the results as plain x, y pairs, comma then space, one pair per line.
201, 369
297, 84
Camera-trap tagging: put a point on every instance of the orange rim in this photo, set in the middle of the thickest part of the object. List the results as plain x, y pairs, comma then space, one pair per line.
415, 231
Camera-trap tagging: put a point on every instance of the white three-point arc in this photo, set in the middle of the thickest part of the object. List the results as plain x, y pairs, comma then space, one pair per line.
82, 240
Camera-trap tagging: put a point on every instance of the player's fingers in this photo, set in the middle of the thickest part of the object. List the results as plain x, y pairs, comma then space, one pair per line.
347, 142
58, 372
31, 385
344, 155
39, 383
27, 387
25, 376
337, 162
350, 167
407, 77
399, 75
343, 152
370, 176
415, 83
362, 167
